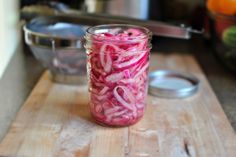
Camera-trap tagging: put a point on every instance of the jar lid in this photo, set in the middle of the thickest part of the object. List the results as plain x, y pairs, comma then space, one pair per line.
172, 84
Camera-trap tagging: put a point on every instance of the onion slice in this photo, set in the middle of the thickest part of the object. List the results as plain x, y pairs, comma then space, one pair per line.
127, 105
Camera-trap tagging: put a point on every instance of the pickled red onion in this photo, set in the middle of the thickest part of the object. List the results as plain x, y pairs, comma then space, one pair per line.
118, 72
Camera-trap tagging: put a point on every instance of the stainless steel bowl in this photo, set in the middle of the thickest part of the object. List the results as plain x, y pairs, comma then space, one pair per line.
59, 47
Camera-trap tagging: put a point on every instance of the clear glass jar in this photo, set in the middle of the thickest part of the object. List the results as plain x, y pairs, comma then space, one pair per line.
118, 60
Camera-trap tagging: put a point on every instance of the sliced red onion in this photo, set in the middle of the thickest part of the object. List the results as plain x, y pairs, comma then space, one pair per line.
142, 70
112, 110
118, 77
121, 100
106, 65
130, 62
104, 90
115, 77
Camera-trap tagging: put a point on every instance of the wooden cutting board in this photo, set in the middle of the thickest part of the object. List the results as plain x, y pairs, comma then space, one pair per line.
55, 121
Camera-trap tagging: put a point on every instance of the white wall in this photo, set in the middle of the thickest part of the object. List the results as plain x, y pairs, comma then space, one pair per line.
9, 31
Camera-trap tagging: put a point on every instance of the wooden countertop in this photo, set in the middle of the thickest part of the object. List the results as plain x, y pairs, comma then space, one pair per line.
55, 121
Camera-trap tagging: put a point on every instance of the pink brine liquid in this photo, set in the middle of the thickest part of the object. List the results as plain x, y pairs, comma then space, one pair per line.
118, 61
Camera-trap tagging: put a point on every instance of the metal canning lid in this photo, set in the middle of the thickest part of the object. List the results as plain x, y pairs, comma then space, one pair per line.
172, 84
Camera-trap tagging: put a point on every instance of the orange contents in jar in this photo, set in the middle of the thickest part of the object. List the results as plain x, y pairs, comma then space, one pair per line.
226, 7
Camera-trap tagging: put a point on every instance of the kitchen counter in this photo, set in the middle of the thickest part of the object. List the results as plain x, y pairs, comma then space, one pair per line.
23, 72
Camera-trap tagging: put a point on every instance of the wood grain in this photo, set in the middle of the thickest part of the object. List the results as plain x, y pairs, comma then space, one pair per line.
55, 121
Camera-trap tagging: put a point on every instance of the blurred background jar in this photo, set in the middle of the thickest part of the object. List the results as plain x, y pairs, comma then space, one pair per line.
222, 28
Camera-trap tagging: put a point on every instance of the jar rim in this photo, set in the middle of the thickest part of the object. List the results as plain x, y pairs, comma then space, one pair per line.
146, 32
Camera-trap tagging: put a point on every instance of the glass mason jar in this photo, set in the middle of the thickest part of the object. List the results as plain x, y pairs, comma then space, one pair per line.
118, 61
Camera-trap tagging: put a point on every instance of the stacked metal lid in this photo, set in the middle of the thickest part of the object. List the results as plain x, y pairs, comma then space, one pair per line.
172, 84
